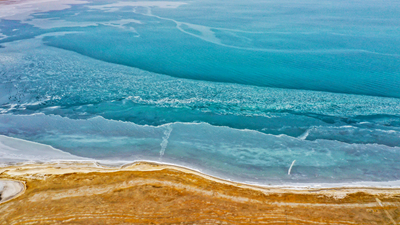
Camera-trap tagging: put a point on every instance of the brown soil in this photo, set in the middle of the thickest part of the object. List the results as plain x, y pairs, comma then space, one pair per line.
148, 193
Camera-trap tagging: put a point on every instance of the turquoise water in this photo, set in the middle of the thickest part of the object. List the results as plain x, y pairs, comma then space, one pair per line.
235, 89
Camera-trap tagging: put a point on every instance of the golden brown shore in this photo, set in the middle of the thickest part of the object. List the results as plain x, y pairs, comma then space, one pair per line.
149, 193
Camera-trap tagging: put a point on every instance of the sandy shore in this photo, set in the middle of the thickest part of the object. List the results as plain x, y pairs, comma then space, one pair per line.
87, 193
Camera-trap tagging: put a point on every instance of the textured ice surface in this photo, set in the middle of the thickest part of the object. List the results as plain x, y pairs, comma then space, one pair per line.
333, 46
317, 82
222, 151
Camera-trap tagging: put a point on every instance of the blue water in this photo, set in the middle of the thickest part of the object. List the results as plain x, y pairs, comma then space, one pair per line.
235, 89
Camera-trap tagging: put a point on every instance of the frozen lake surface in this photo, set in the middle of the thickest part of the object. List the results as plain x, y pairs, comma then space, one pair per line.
267, 92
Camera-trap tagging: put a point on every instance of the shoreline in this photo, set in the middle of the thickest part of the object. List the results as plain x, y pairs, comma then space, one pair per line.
67, 167
80, 191
109, 165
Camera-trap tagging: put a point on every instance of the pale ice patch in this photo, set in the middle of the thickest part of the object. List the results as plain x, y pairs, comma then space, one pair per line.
22, 10
206, 33
53, 34
18, 150
53, 23
115, 6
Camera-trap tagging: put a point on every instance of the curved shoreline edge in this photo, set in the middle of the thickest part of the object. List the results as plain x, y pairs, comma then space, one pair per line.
10, 189
90, 166
149, 192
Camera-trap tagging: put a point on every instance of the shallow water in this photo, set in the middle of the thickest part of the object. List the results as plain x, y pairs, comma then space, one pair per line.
235, 90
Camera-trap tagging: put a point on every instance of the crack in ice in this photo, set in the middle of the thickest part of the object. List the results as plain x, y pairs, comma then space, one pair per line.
164, 142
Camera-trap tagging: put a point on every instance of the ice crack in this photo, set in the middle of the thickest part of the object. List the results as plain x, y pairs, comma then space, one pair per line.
164, 142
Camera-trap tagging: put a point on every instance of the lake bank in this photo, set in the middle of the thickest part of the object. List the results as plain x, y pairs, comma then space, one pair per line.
144, 192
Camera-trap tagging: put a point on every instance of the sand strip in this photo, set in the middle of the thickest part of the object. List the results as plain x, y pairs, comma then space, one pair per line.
146, 193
